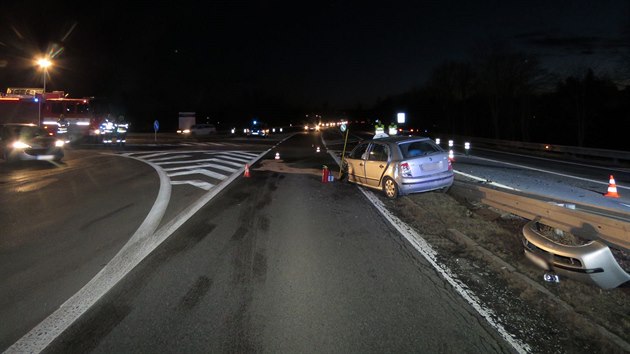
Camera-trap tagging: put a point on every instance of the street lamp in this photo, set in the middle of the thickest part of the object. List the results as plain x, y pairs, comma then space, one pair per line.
43, 63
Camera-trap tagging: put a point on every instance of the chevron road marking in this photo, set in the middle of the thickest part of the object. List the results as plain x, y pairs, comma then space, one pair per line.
197, 183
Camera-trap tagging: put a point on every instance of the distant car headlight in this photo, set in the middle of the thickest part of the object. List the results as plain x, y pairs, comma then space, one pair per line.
186, 131
21, 145
59, 143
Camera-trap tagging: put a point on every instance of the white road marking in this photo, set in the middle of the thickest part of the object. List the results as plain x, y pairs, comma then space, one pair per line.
224, 168
199, 171
212, 165
173, 157
38, 338
141, 244
550, 172
485, 180
619, 169
149, 155
231, 154
184, 161
430, 255
197, 183
234, 159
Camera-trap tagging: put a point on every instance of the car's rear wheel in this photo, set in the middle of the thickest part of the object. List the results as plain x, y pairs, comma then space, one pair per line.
390, 188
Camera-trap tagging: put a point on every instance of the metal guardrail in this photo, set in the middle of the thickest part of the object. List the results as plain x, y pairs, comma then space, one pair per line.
613, 230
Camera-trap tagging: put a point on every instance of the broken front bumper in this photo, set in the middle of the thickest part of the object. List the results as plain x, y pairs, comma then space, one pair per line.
591, 263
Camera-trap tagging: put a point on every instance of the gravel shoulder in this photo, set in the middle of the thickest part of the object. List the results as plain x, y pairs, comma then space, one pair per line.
483, 246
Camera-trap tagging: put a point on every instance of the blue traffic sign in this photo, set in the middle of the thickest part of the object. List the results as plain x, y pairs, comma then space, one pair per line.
156, 125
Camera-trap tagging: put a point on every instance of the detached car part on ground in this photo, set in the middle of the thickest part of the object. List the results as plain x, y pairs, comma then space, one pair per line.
591, 263
399, 165
21, 142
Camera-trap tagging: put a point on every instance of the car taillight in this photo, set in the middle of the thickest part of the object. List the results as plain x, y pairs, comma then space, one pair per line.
405, 170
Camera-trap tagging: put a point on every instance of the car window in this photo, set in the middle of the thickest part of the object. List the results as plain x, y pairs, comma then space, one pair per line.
418, 148
359, 152
379, 153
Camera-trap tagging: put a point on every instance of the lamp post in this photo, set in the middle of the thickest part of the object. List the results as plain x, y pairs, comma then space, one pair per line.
43, 63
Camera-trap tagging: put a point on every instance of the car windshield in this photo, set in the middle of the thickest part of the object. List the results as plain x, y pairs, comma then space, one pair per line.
418, 148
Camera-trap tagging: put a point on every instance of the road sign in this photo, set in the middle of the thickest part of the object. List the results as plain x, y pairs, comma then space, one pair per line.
156, 125
343, 128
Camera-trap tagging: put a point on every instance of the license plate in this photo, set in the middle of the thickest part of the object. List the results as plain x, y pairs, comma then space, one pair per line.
430, 166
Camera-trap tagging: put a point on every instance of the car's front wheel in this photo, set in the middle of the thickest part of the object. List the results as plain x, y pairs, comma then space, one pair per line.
390, 188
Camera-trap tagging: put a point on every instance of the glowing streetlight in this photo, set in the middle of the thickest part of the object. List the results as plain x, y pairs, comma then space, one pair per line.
43, 63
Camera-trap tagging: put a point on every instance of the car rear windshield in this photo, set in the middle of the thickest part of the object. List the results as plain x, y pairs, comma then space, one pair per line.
418, 148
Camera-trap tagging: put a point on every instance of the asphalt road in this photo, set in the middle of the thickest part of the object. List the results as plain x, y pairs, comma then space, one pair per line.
60, 226
280, 262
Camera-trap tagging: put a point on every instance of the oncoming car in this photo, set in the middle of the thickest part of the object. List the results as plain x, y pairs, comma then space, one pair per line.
399, 166
28, 142
259, 129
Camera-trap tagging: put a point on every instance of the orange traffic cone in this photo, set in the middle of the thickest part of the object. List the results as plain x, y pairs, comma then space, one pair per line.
612, 188
246, 170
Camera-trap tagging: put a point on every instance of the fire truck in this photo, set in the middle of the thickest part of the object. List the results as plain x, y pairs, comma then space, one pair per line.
32, 105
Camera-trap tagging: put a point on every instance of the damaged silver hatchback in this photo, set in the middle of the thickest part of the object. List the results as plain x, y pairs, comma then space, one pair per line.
399, 165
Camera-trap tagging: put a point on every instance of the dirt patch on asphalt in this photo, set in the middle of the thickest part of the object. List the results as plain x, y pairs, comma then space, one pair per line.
281, 167
564, 317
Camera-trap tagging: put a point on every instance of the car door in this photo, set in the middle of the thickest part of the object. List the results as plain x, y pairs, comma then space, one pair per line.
356, 163
376, 163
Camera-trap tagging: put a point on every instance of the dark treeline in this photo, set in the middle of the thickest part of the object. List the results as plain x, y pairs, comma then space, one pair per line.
502, 94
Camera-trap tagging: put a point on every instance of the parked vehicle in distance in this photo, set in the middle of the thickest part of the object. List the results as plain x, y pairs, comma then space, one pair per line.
20, 141
399, 165
203, 129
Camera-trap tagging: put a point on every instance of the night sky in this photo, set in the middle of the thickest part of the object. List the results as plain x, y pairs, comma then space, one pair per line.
236, 56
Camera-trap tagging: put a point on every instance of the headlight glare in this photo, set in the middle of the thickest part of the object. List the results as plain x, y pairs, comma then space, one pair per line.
20, 145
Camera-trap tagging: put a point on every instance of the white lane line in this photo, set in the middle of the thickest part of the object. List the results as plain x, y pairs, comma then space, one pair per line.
550, 172
430, 255
197, 183
38, 338
199, 171
485, 181
562, 161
